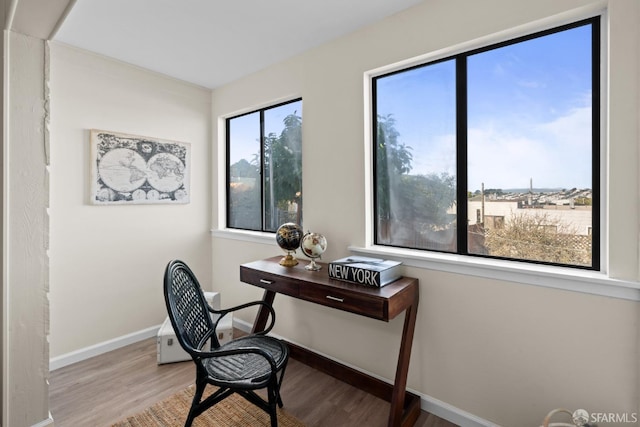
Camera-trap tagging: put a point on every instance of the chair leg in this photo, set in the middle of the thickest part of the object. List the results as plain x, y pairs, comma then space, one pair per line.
274, 397
200, 386
279, 383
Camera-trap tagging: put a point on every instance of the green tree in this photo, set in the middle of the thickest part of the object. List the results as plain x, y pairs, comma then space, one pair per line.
410, 205
283, 170
426, 199
393, 159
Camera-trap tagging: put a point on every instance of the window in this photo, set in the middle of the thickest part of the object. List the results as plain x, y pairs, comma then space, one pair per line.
264, 168
494, 152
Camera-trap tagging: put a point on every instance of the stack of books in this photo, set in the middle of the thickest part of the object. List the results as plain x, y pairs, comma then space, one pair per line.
365, 271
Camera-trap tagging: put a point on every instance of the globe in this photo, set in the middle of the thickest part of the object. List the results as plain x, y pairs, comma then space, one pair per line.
313, 245
288, 237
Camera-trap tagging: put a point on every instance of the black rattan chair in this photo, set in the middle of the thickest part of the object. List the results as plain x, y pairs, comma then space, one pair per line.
241, 366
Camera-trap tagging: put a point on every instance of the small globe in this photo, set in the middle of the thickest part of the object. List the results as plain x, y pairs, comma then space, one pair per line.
313, 245
288, 236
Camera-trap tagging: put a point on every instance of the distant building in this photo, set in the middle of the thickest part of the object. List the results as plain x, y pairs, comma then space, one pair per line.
496, 213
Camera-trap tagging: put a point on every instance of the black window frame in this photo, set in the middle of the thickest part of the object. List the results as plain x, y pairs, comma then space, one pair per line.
261, 112
461, 142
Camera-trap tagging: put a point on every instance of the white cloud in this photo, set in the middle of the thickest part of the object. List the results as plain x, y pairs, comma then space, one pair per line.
531, 84
553, 154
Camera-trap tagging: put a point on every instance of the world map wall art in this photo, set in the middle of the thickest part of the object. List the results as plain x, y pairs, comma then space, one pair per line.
130, 169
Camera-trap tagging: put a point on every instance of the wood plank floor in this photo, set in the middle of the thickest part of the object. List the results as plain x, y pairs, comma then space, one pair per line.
104, 389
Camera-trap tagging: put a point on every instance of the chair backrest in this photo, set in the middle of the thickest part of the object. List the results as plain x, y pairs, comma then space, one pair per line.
187, 307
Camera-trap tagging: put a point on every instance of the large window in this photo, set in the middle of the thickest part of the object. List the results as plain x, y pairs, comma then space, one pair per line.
264, 168
494, 152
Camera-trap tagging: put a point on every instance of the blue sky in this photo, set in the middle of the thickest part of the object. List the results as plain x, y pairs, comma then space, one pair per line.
529, 113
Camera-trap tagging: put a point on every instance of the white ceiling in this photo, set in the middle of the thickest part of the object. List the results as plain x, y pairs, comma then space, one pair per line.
213, 42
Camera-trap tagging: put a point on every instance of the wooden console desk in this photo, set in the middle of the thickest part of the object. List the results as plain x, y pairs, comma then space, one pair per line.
379, 303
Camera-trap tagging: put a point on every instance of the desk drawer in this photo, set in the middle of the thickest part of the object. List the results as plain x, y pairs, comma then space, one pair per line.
270, 282
346, 300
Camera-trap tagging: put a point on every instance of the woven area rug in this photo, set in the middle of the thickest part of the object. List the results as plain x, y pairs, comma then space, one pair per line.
234, 411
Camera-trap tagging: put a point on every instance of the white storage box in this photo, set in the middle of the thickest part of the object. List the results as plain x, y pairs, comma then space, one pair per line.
169, 349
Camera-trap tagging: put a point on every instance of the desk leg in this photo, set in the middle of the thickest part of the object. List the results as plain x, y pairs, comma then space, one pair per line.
397, 417
263, 314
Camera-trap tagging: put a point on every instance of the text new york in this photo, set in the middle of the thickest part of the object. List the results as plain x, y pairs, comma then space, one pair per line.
354, 274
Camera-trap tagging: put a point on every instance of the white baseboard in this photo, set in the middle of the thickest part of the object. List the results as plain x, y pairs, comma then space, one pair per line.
101, 348
45, 423
242, 325
427, 403
451, 413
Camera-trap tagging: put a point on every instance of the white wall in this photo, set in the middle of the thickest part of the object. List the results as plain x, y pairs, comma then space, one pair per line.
505, 352
107, 262
25, 277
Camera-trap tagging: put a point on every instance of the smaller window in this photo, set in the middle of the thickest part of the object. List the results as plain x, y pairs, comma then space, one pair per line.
264, 168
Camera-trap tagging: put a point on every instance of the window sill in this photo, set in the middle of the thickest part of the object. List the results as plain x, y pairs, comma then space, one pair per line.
588, 282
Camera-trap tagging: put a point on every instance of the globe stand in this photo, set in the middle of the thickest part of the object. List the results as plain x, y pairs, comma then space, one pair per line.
288, 260
312, 266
